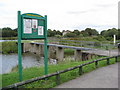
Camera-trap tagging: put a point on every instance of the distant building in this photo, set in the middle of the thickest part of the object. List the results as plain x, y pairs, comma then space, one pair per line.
65, 32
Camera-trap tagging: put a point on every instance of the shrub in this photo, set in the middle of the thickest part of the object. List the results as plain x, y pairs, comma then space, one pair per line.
9, 47
97, 44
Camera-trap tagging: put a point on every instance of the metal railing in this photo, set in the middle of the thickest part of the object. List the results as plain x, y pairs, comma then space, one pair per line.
106, 45
57, 74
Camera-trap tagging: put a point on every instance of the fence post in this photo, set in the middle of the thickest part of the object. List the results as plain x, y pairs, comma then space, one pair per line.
118, 48
116, 59
80, 70
96, 64
58, 78
15, 87
108, 61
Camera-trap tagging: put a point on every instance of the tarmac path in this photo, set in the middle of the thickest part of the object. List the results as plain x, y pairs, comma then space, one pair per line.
104, 77
103, 52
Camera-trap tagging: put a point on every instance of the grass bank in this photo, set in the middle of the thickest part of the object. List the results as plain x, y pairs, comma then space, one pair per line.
33, 72
8, 47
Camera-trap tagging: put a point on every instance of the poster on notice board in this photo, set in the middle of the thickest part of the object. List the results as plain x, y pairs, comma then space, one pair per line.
40, 30
27, 26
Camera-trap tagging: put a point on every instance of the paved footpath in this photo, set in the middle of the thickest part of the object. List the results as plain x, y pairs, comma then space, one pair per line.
105, 77
103, 52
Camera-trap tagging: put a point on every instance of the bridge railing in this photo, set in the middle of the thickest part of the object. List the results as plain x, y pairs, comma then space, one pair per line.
57, 74
105, 45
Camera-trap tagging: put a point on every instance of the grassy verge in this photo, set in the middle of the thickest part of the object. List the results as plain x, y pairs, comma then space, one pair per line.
33, 72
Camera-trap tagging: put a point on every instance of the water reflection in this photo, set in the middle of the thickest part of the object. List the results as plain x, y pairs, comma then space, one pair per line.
7, 40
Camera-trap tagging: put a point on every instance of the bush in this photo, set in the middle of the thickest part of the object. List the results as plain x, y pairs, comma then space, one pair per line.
100, 38
9, 47
109, 38
68, 52
97, 44
70, 35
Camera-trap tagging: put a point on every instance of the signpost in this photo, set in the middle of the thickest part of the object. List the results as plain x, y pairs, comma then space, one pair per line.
32, 26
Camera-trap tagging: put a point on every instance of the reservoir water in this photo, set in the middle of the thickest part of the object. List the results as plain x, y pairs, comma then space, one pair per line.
7, 62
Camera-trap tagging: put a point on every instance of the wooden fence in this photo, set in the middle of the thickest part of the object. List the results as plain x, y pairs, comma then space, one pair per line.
57, 74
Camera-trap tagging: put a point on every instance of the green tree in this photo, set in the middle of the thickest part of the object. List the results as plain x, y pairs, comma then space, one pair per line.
50, 33
58, 33
103, 33
77, 32
8, 32
84, 33
70, 35
118, 34
100, 38
7, 28
0, 32
53, 33
112, 32
108, 34
91, 32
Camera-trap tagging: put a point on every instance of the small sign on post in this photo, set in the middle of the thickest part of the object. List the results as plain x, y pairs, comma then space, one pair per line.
32, 26
114, 39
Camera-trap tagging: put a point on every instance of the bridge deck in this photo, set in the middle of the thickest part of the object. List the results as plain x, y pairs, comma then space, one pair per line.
86, 50
63, 46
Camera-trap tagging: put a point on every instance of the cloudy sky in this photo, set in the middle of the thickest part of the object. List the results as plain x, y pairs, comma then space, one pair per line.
63, 14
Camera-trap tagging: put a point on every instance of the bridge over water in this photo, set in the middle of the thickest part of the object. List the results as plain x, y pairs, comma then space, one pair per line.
56, 51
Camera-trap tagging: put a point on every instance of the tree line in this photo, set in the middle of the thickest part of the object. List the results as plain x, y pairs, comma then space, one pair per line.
108, 34
8, 32
88, 32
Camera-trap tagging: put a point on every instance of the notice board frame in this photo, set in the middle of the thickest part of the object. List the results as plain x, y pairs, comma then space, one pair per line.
23, 36
37, 17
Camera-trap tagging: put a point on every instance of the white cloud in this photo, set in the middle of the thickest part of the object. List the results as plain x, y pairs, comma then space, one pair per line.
63, 14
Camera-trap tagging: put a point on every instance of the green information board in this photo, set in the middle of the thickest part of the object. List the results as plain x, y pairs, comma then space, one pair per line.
32, 26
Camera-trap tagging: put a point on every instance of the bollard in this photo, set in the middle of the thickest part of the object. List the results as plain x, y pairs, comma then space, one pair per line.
57, 78
80, 70
96, 64
116, 59
108, 61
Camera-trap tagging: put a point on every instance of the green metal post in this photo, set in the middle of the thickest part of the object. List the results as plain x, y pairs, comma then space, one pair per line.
19, 47
45, 49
